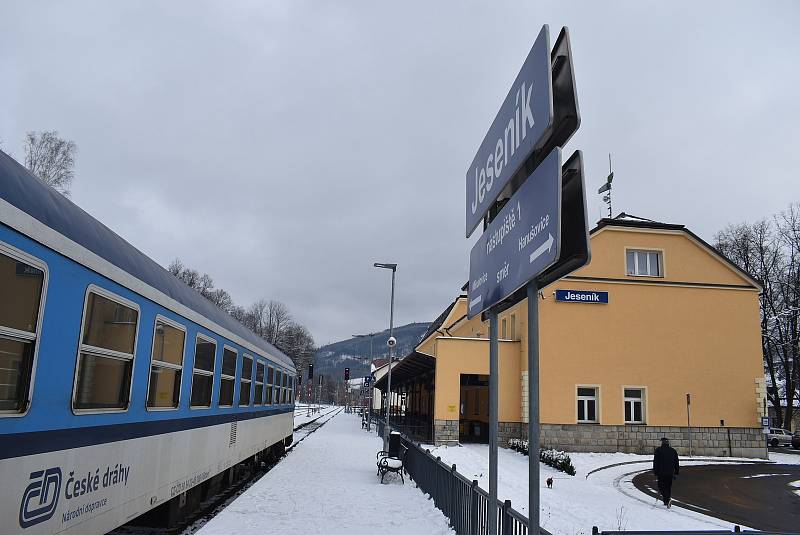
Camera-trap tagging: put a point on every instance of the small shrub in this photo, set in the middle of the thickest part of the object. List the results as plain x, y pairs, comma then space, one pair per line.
557, 459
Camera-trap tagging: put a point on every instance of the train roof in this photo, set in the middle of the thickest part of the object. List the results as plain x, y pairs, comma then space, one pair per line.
23, 190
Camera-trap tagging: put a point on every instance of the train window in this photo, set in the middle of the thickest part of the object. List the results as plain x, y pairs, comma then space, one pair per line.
258, 396
284, 393
106, 354
205, 351
245, 380
227, 378
270, 378
21, 285
277, 387
166, 365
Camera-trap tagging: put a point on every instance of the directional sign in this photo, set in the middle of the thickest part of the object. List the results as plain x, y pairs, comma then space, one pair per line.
522, 241
525, 115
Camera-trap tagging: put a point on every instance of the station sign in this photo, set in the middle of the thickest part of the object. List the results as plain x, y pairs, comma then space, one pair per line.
581, 296
523, 240
519, 127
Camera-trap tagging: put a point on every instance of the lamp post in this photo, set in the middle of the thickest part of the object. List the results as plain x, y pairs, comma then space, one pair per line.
391, 342
368, 395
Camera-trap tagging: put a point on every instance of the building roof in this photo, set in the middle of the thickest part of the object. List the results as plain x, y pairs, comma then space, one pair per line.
438, 322
24, 191
631, 221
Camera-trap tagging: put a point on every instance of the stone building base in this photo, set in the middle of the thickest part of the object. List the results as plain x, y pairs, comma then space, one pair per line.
643, 439
445, 432
712, 441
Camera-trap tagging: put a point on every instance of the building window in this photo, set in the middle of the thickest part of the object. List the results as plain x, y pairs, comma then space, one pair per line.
21, 286
258, 396
643, 263
205, 351
106, 354
503, 329
166, 365
245, 379
513, 321
587, 405
270, 379
227, 377
634, 405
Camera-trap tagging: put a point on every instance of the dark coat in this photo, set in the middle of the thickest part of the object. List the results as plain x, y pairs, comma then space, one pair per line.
665, 461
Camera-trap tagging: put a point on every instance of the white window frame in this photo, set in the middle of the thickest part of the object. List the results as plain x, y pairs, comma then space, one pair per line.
595, 398
268, 384
25, 336
277, 387
225, 377
248, 380
163, 364
199, 371
642, 400
256, 382
635, 250
102, 292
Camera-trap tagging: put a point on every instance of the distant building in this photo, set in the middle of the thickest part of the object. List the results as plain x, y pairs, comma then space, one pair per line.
657, 314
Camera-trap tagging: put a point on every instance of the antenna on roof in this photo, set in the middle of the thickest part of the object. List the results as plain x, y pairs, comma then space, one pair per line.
606, 188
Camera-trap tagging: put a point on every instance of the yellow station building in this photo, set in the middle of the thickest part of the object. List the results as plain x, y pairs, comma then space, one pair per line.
679, 319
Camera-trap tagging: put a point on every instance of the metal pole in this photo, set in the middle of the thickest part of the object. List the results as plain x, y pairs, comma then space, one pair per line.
493, 380
389, 378
533, 408
689, 421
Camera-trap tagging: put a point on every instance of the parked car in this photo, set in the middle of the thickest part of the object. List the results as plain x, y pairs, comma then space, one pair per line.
779, 437
796, 440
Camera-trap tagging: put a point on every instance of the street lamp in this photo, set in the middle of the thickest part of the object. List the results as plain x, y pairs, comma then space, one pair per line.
371, 358
391, 342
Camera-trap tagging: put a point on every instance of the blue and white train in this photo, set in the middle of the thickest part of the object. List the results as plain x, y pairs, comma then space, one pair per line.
120, 387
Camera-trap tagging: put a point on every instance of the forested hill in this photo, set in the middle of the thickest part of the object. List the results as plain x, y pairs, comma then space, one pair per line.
353, 353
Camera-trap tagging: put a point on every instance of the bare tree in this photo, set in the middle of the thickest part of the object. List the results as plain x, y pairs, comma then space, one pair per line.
271, 320
51, 159
770, 251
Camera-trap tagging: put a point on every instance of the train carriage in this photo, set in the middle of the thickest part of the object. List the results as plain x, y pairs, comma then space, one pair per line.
121, 388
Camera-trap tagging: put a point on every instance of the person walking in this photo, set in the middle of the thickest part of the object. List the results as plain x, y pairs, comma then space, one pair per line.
665, 467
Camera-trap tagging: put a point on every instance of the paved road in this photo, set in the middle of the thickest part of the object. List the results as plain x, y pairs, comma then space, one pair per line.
759, 496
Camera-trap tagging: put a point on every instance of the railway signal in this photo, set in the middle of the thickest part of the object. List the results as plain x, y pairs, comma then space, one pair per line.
347, 374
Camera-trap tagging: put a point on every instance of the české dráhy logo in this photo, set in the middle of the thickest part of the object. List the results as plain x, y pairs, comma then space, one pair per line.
41, 497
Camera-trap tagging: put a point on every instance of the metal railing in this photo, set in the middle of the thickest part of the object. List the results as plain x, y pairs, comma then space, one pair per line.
462, 501
736, 529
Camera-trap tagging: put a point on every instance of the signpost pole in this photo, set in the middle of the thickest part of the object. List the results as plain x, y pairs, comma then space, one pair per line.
533, 407
493, 383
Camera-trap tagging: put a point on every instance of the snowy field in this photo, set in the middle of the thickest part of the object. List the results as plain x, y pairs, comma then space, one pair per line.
327, 485
606, 499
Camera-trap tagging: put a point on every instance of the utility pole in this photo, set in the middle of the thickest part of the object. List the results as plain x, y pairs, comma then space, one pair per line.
391, 342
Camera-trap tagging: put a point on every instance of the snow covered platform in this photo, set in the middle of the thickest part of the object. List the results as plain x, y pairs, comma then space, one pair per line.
327, 484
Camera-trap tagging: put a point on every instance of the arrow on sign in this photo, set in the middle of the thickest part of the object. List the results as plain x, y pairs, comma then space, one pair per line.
546, 246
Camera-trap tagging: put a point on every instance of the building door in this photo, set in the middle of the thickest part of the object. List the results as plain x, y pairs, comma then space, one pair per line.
474, 409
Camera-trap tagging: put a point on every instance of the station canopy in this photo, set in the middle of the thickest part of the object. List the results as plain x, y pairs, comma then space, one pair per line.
413, 365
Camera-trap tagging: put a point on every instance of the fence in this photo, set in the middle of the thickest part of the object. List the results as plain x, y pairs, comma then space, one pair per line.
462, 501
736, 529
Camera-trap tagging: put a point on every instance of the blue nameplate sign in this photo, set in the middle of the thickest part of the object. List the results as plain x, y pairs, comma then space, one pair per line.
581, 296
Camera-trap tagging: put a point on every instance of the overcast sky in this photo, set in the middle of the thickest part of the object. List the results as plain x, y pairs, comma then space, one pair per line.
283, 147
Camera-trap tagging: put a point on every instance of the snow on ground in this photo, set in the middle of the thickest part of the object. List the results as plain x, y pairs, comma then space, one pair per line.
784, 458
327, 484
303, 415
606, 499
